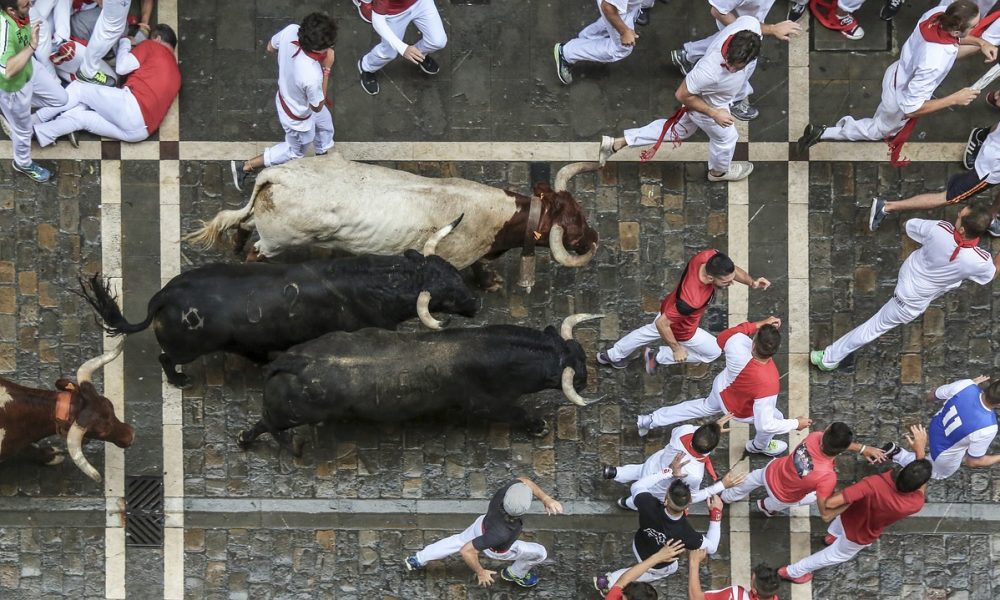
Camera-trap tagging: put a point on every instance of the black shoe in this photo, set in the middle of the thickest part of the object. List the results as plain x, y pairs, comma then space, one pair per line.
976, 139
620, 503
877, 213
239, 174
429, 66
609, 472
643, 17
369, 82
810, 136
891, 450
795, 11
889, 9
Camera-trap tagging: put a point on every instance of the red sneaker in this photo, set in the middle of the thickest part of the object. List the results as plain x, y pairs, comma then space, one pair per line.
829, 539
783, 573
364, 10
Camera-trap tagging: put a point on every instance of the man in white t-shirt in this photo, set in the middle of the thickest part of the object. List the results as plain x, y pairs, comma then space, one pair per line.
715, 83
608, 39
305, 56
909, 83
982, 159
390, 18
948, 255
961, 431
110, 27
725, 12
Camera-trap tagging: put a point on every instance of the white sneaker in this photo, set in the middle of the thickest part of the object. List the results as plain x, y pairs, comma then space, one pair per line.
774, 448
607, 149
644, 423
737, 171
851, 30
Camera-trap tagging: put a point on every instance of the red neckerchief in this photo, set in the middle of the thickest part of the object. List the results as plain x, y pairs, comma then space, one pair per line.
932, 33
962, 243
20, 22
896, 143
984, 24
725, 52
667, 126
702, 458
318, 57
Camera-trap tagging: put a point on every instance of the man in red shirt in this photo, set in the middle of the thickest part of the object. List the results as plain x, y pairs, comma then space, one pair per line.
747, 389
806, 475
679, 316
130, 113
865, 509
763, 583
627, 588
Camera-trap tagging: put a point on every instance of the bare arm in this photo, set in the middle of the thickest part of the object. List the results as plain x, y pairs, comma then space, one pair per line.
15, 64
611, 14
982, 461
271, 49
471, 557
665, 554
146, 12
745, 278
962, 97
835, 505
663, 327
694, 101
552, 506
724, 18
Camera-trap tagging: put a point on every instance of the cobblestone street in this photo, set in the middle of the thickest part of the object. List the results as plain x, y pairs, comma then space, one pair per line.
338, 521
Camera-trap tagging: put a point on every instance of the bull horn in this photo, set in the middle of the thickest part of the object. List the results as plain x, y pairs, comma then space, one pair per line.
566, 329
430, 247
569, 391
74, 443
571, 170
562, 255
424, 311
86, 370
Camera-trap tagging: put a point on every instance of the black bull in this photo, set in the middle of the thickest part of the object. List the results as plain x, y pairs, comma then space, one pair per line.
257, 309
394, 376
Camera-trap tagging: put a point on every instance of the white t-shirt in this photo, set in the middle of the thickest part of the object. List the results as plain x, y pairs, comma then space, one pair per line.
984, 5
988, 160
921, 67
300, 78
716, 85
978, 442
928, 272
623, 6
757, 9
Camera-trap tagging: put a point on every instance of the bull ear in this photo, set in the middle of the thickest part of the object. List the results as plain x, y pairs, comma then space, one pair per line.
413, 255
66, 385
552, 331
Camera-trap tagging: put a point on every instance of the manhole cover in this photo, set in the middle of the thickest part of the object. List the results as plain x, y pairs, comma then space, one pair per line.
144, 511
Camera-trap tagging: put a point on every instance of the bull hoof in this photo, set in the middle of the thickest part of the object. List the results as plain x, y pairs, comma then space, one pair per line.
539, 429
179, 380
243, 440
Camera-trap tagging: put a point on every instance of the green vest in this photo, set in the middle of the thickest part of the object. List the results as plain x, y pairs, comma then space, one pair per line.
13, 39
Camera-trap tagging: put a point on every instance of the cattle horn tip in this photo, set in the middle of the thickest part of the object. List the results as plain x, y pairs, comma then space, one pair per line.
566, 329
571, 170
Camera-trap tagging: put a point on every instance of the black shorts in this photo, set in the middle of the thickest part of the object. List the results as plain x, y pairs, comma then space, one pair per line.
965, 185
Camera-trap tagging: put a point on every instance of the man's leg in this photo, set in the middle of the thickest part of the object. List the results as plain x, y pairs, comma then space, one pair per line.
648, 577
16, 108
599, 42
292, 148
82, 24
451, 544
761, 438
84, 119
47, 91
841, 550
685, 411
324, 131
892, 314
697, 48
41, 13
773, 505
108, 30
701, 348
428, 22
525, 555
649, 134
888, 119
634, 340
384, 53
754, 480
721, 143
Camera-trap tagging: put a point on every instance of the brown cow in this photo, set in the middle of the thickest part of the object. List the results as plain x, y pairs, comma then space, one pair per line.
76, 411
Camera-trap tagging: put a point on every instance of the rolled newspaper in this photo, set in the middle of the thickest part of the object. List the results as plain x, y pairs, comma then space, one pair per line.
987, 78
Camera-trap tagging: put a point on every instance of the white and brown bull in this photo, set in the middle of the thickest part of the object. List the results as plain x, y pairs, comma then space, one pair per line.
334, 203
76, 411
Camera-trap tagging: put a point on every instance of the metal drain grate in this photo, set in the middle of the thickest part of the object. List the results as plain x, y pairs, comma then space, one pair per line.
144, 511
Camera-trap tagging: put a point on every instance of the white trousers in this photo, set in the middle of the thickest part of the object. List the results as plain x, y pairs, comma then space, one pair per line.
52, 17
697, 48
721, 140
849, 6
888, 119
424, 15
319, 134
105, 111
41, 90
524, 555
707, 407
109, 29
702, 347
756, 479
892, 314
944, 466
649, 576
838, 552
600, 41
654, 464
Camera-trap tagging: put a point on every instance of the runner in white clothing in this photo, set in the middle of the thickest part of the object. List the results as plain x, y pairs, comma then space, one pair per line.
390, 18
948, 256
109, 29
719, 80
961, 431
725, 12
305, 57
909, 83
608, 39
747, 389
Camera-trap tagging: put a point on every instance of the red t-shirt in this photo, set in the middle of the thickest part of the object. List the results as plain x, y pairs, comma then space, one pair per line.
735, 592
806, 469
391, 7
614, 594
875, 505
694, 293
155, 83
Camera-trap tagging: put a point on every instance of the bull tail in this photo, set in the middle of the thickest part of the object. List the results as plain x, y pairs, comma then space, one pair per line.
210, 233
98, 294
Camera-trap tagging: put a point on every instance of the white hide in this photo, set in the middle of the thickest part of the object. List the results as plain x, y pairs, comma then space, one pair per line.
330, 202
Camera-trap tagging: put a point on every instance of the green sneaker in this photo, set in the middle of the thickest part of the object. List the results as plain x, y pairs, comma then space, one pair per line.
99, 78
34, 170
529, 580
816, 358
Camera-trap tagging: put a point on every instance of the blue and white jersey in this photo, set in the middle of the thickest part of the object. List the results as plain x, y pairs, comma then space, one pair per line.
964, 424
